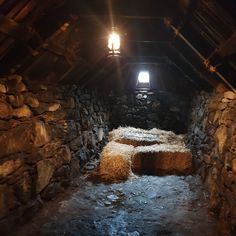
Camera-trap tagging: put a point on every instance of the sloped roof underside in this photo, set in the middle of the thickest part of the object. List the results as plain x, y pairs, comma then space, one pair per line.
196, 40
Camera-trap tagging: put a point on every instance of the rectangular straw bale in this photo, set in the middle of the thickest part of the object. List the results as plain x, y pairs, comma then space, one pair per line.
162, 160
115, 164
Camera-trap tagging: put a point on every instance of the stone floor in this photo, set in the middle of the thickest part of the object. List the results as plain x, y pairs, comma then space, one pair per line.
145, 205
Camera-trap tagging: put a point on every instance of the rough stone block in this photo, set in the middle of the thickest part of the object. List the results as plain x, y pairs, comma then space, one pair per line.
49, 149
54, 107
15, 140
23, 188
53, 116
227, 117
45, 170
9, 166
20, 87
57, 130
41, 134
5, 110
42, 108
23, 138
16, 100
63, 156
230, 95
75, 144
221, 137
3, 88
31, 100
21, 112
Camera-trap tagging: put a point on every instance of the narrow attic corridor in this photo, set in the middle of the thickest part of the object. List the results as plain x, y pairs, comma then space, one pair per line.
111, 200
117, 117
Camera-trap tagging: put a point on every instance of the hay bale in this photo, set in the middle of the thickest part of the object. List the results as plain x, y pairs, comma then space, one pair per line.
140, 137
133, 136
168, 137
162, 159
115, 164
157, 152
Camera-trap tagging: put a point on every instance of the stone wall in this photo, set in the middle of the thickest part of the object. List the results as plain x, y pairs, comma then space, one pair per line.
150, 109
212, 137
47, 132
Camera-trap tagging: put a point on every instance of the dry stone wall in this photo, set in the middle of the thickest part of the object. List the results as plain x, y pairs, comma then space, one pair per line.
150, 109
47, 132
212, 137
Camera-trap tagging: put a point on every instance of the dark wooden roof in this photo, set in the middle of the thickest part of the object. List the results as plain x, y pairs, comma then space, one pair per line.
195, 40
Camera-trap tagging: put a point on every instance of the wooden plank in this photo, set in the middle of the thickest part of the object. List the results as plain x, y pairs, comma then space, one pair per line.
37, 11
17, 8
14, 29
55, 49
12, 9
19, 11
28, 8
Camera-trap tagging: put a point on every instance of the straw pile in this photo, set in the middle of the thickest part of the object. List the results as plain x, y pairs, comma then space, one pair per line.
141, 137
115, 162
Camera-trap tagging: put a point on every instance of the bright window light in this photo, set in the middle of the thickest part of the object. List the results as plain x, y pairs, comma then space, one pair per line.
114, 42
143, 77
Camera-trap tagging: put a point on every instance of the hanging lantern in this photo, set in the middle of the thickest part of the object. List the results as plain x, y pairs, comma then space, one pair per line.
114, 43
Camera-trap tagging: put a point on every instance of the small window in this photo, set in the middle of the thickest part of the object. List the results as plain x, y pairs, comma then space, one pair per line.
143, 81
143, 77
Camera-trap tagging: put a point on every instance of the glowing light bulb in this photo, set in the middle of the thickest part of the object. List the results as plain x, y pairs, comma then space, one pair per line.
114, 42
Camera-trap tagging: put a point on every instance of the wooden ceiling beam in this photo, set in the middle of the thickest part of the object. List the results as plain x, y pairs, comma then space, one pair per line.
128, 17
14, 29
204, 60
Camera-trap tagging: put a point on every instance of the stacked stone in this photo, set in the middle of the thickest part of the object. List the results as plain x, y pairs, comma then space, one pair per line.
136, 109
46, 133
150, 109
212, 137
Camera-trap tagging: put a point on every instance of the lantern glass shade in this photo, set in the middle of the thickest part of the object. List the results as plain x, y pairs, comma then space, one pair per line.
114, 43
